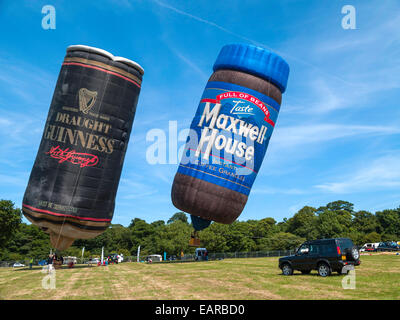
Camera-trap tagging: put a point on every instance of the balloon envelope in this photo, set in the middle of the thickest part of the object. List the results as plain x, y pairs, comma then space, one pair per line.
72, 187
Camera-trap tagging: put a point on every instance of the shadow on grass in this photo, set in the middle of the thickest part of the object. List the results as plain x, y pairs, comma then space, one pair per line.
312, 275
81, 266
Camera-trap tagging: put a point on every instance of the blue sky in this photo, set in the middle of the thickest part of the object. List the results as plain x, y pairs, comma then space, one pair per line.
337, 135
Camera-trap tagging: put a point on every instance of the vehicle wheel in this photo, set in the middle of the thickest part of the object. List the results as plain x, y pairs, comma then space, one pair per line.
287, 270
353, 254
324, 270
305, 271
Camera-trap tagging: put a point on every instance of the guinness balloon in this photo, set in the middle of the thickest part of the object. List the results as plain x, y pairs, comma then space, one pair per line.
74, 180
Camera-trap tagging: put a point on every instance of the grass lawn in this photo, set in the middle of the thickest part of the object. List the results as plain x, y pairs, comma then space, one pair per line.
378, 277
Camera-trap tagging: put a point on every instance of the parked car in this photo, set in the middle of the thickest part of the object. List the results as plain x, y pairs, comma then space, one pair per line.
154, 257
120, 258
200, 254
70, 260
17, 264
93, 261
388, 246
324, 255
370, 247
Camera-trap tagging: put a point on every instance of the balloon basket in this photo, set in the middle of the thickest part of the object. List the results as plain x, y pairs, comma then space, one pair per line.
194, 240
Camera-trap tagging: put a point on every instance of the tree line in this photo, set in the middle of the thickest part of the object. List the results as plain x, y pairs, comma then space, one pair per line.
19, 240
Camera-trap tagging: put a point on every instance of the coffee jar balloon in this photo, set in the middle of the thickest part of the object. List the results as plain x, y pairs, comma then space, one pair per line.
229, 134
73, 184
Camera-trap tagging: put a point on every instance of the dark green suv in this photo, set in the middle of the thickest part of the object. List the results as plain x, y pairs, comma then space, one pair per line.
324, 255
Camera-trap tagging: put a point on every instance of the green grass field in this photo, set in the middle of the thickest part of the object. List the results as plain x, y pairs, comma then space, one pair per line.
378, 277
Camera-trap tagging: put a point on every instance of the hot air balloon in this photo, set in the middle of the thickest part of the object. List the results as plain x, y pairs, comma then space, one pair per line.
230, 134
72, 187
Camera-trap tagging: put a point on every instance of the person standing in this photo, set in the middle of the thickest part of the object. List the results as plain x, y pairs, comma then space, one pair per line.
30, 263
50, 263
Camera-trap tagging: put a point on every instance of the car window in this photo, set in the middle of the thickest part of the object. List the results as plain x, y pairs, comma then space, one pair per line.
314, 248
345, 244
304, 246
327, 249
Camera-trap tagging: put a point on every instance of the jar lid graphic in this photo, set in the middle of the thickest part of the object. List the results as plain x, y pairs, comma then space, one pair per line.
254, 60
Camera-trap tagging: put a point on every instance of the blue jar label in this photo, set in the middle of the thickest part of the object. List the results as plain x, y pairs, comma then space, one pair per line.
229, 136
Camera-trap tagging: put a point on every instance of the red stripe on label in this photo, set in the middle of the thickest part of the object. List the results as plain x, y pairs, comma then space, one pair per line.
64, 215
100, 69
210, 100
243, 96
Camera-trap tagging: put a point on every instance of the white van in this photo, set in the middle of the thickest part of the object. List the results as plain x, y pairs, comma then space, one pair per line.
201, 254
154, 257
369, 247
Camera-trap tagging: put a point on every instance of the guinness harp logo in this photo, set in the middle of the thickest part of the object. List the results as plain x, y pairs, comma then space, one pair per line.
87, 99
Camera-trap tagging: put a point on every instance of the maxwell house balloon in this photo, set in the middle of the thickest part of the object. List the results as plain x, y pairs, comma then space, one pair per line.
230, 134
74, 180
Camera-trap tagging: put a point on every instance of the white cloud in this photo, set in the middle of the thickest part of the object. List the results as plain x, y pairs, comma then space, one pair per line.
205, 21
285, 54
270, 190
190, 63
383, 172
297, 136
25, 82
18, 179
131, 189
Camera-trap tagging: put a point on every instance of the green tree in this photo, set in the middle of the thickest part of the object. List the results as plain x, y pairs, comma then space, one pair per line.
372, 237
158, 223
340, 205
134, 221
365, 222
284, 241
389, 221
336, 219
174, 238
239, 237
28, 241
178, 216
145, 235
10, 219
304, 223
215, 237
262, 228
333, 224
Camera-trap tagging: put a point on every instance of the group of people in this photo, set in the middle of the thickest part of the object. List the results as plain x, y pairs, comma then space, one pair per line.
109, 260
52, 260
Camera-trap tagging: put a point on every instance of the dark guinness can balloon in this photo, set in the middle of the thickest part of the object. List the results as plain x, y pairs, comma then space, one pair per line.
74, 180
